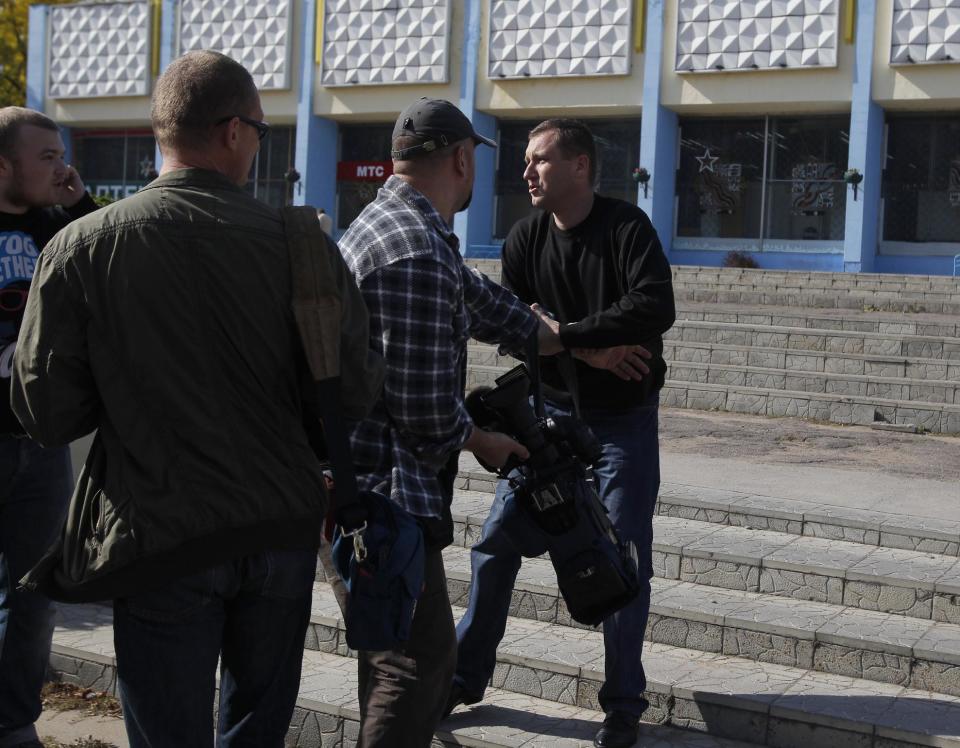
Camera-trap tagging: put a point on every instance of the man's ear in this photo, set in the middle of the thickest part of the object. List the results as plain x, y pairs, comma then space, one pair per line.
227, 135
6, 167
583, 165
460, 159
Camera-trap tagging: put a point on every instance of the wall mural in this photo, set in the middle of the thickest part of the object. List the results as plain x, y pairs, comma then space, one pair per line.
717, 35
387, 42
99, 50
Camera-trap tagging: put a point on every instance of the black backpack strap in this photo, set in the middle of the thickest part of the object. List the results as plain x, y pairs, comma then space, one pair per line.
317, 309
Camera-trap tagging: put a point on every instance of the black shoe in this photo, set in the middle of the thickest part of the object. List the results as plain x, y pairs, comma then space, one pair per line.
619, 730
458, 696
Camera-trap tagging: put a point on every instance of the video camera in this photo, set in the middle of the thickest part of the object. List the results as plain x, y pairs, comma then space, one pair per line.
553, 506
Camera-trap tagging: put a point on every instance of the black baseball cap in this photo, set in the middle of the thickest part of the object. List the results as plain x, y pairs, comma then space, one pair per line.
437, 123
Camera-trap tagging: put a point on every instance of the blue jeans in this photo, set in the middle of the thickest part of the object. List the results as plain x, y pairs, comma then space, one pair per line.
35, 485
628, 480
252, 613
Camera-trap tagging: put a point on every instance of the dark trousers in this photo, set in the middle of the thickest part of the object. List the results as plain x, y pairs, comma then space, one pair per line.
403, 692
628, 479
252, 615
35, 486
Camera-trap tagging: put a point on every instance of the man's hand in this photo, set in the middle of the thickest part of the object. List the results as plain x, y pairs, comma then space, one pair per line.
626, 361
71, 188
548, 335
494, 448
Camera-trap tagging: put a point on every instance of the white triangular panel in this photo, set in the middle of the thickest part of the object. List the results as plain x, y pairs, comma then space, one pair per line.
99, 50
418, 38
755, 34
579, 37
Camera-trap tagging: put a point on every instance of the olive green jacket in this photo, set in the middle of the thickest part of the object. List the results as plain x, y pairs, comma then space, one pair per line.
164, 322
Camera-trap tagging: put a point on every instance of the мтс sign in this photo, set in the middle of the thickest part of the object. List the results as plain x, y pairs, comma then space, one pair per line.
364, 171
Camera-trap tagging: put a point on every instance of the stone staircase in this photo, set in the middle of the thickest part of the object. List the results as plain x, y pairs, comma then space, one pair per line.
774, 621
789, 609
812, 345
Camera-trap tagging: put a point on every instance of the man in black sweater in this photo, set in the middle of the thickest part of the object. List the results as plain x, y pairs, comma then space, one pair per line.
39, 195
595, 265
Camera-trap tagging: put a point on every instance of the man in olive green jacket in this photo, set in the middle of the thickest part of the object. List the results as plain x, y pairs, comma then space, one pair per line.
164, 322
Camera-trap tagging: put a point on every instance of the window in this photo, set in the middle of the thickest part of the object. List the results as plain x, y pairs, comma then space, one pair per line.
618, 153
720, 181
117, 163
361, 144
114, 163
766, 180
921, 183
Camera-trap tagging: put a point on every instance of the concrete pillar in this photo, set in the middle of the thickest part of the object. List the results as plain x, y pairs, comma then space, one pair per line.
168, 40
37, 56
474, 227
862, 231
316, 145
658, 133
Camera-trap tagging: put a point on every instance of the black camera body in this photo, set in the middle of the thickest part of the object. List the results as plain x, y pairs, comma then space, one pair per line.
553, 507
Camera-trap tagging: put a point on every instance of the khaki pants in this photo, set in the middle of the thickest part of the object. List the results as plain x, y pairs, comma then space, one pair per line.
403, 692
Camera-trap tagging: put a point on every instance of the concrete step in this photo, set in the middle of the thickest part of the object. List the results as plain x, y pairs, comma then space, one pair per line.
812, 636
937, 418
817, 278
937, 325
788, 278
804, 339
834, 408
731, 682
327, 713
793, 360
887, 580
823, 298
879, 529
814, 290
916, 391
787, 369
829, 362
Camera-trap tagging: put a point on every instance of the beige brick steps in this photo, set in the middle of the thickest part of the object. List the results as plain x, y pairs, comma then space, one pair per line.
939, 325
327, 713
809, 339
916, 584
788, 359
818, 406
818, 290
911, 532
812, 636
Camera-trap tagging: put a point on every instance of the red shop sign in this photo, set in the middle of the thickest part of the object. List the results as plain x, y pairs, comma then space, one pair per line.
364, 171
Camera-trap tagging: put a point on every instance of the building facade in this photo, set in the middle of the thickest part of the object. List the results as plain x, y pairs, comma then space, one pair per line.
809, 134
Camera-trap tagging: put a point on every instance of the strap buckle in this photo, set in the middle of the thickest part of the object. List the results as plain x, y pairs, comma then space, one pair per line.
359, 547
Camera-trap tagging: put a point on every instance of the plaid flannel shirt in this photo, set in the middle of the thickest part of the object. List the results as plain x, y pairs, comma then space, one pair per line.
424, 305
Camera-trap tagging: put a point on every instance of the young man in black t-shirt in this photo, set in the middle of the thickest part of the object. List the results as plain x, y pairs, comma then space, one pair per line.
39, 195
595, 265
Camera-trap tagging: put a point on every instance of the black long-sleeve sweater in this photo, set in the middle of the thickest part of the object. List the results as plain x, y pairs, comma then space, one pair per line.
606, 281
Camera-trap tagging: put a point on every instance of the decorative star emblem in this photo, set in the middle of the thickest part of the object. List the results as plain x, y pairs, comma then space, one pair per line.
707, 161
146, 166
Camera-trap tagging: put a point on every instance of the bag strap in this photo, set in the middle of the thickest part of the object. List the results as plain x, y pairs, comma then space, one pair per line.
567, 369
568, 372
317, 310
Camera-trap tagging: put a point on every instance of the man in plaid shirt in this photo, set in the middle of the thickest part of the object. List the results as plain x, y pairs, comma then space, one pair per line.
424, 305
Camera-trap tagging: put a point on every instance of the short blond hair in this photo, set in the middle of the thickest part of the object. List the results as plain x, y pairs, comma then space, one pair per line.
194, 93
